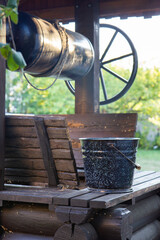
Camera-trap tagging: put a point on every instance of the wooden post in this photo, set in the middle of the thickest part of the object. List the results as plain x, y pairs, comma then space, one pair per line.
87, 89
2, 104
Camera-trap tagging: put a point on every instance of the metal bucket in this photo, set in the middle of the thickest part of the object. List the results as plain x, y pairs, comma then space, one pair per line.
41, 43
109, 162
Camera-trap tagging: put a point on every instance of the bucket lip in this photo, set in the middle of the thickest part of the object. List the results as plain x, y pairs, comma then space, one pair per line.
110, 138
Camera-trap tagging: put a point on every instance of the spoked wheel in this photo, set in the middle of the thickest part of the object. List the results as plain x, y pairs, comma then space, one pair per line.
118, 64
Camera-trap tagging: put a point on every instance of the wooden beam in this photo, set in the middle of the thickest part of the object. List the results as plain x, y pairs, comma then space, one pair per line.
46, 151
2, 103
87, 89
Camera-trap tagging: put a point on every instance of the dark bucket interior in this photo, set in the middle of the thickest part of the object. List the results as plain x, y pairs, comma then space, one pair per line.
105, 162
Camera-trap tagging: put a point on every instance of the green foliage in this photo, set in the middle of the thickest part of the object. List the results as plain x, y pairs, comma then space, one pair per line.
14, 59
22, 98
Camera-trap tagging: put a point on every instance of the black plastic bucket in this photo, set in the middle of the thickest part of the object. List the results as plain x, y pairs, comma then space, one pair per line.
109, 162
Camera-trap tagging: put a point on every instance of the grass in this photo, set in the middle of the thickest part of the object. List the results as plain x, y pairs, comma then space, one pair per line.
148, 159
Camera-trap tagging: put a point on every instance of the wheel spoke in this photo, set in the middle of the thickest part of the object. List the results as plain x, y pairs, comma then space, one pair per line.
107, 48
103, 85
115, 75
118, 58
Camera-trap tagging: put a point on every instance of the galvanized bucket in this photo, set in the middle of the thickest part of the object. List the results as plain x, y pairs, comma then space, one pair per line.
109, 162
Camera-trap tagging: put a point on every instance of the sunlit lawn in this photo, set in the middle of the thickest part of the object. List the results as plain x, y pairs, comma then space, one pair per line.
149, 159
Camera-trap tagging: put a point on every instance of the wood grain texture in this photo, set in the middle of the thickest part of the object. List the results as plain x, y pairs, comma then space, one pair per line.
47, 155
84, 232
2, 103
64, 10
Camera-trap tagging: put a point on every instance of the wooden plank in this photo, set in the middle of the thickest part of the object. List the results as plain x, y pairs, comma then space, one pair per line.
146, 178
105, 119
65, 200
23, 153
61, 154
36, 164
57, 132
2, 103
87, 90
26, 197
67, 176
21, 142
111, 200
16, 131
48, 156
25, 172
139, 174
64, 10
54, 121
101, 133
68, 183
65, 165
23, 120
83, 201
59, 144
26, 180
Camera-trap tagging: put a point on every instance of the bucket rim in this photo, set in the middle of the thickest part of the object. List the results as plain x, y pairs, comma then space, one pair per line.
109, 138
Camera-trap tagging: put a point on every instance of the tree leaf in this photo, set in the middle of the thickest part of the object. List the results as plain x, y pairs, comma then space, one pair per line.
5, 50
12, 65
14, 16
18, 58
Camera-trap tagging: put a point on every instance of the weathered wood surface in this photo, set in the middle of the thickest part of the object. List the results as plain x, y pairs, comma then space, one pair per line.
91, 199
2, 102
150, 231
84, 232
24, 236
114, 224
29, 218
34, 195
46, 152
42, 139
64, 10
98, 125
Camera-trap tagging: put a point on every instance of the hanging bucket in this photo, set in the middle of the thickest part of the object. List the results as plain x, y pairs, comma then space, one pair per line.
109, 162
49, 49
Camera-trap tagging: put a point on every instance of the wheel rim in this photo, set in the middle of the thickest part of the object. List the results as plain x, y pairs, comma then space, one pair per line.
128, 82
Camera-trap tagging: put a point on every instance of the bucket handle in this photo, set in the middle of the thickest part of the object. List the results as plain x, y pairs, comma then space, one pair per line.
137, 166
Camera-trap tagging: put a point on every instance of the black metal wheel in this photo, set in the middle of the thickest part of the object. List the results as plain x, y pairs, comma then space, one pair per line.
119, 51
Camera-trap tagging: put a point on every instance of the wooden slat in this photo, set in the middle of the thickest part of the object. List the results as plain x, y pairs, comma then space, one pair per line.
22, 142
65, 165
17, 131
36, 164
83, 201
23, 153
65, 200
25, 172
67, 176
26, 180
68, 183
111, 200
57, 132
61, 154
48, 157
23, 120
146, 178
139, 174
55, 121
59, 144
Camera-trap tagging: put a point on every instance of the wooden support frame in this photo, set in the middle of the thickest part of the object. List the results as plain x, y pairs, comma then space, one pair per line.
87, 89
46, 152
2, 103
